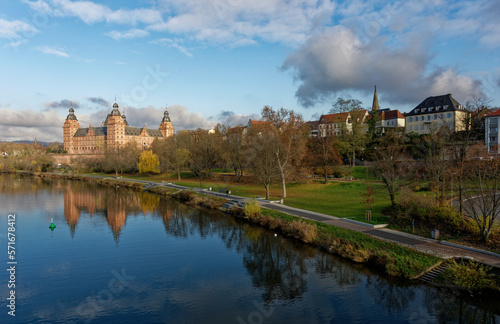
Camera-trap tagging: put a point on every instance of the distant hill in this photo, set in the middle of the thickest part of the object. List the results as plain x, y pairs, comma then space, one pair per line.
44, 144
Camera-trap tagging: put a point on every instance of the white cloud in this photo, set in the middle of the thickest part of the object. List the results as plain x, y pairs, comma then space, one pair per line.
90, 12
16, 43
172, 43
28, 124
52, 51
132, 33
15, 29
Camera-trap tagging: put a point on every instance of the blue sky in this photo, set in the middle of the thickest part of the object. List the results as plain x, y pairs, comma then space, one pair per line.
223, 60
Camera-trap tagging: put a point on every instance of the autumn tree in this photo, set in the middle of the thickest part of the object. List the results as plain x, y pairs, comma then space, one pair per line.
235, 150
149, 162
181, 154
322, 153
205, 153
120, 158
289, 140
261, 155
165, 149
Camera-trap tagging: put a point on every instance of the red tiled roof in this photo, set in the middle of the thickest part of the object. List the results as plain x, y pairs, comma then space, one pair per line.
391, 114
493, 114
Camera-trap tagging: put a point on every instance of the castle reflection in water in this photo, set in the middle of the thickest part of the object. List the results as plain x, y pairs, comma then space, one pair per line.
113, 204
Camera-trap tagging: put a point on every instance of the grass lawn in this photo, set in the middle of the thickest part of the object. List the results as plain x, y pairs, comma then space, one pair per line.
340, 199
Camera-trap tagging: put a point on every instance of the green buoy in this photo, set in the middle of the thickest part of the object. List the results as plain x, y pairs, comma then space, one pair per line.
52, 226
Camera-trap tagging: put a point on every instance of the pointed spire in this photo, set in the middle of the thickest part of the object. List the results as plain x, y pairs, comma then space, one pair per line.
375, 105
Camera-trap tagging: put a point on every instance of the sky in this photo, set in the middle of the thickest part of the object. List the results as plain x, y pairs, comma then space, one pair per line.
222, 61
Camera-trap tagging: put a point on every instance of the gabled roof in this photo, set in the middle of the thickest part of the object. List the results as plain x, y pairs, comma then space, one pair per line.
436, 101
390, 114
332, 118
494, 114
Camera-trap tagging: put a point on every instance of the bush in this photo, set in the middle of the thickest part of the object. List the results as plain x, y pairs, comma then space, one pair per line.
468, 275
251, 209
302, 230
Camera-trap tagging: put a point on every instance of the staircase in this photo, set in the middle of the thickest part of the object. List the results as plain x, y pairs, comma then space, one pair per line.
430, 276
232, 204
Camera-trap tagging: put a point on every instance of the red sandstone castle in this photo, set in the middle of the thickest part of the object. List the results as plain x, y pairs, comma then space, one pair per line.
114, 132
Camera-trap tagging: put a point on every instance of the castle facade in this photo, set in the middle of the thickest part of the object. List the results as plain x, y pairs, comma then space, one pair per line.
114, 132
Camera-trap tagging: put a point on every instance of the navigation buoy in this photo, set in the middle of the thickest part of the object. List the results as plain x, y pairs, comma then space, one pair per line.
52, 226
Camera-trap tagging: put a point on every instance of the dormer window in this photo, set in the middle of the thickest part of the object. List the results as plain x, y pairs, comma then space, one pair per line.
424, 109
417, 110
445, 107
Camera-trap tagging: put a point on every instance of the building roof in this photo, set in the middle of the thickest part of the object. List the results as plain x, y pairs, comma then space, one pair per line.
494, 114
136, 131
98, 131
390, 114
431, 105
313, 124
342, 117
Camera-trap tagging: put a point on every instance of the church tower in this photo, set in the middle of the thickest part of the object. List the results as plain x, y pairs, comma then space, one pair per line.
115, 128
375, 105
70, 127
166, 127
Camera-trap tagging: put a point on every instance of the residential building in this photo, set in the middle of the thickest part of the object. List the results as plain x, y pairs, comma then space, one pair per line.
436, 114
491, 138
115, 131
335, 124
386, 118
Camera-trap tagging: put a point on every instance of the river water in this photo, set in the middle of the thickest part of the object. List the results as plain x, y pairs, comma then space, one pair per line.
119, 256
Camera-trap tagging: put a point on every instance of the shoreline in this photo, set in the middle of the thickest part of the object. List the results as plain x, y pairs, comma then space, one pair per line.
390, 258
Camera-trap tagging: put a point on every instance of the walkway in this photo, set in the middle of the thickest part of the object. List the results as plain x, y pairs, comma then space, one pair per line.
425, 245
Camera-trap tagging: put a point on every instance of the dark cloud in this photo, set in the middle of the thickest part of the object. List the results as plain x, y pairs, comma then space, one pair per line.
100, 101
336, 61
226, 113
65, 103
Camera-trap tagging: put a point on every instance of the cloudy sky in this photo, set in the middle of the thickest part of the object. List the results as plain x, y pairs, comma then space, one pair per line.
216, 61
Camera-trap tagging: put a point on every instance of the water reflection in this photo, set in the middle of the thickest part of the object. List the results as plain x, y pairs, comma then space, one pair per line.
190, 266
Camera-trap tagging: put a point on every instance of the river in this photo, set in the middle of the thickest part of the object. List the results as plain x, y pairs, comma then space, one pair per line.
121, 256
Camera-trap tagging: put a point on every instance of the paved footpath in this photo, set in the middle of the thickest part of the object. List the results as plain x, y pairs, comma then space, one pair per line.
427, 245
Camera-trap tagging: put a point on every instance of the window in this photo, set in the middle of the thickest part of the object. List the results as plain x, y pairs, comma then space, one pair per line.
428, 117
448, 115
422, 126
411, 119
445, 107
424, 109
493, 139
409, 128
435, 116
428, 126
422, 118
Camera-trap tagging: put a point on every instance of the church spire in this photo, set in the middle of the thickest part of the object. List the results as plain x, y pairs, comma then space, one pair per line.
375, 105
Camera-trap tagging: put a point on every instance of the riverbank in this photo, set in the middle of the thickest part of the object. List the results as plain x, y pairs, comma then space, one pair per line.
394, 259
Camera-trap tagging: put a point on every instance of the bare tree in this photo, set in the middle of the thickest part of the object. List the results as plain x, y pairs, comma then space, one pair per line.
322, 153
261, 156
482, 199
391, 165
289, 140
204, 154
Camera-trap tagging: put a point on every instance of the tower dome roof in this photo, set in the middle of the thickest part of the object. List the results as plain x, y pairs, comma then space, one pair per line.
115, 111
71, 115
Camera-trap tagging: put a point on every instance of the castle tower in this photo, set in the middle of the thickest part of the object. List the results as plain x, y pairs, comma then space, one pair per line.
166, 127
375, 105
115, 128
70, 127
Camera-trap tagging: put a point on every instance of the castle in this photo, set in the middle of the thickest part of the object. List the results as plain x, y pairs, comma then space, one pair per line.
114, 132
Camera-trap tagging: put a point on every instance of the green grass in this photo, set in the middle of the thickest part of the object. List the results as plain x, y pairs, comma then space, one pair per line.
340, 199
360, 172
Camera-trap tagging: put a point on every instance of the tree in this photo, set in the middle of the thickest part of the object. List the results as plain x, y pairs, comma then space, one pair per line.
235, 148
120, 158
205, 154
354, 138
261, 148
391, 165
149, 162
482, 201
289, 140
322, 153
165, 149
346, 105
